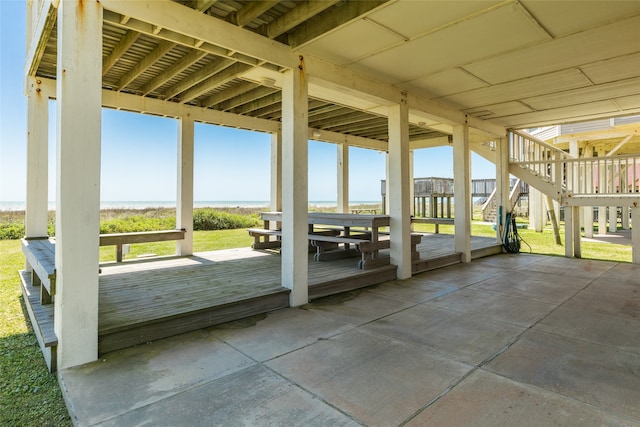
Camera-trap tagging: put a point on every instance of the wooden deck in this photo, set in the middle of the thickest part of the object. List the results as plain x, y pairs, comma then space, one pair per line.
149, 299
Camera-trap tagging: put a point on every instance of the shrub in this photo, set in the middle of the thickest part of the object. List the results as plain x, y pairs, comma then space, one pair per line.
211, 219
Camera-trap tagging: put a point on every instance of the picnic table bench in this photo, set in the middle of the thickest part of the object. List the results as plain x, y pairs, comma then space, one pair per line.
119, 239
333, 236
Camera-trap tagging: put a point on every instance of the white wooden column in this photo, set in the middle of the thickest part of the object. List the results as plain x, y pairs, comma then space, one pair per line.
399, 189
79, 95
412, 194
587, 213
613, 219
184, 208
37, 159
502, 186
462, 191
275, 200
537, 217
635, 233
625, 217
343, 178
386, 184
572, 232
294, 260
602, 219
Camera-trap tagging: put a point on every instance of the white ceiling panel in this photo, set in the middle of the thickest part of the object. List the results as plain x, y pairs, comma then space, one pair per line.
445, 83
623, 67
346, 44
561, 115
611, 41
499, 110
412, 18
584, 95
566, 17
545, 84
503, 29
628, 102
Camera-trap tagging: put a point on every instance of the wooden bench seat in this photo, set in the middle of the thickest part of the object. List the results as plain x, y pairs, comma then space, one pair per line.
40, 256
119, 239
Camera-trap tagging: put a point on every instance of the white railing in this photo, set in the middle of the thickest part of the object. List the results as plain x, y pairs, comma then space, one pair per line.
591, 176
613, 175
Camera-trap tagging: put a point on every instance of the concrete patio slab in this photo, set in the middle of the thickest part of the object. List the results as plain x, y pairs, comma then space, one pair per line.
415, 352
133, 378
375, 379
357, 307
548, 288
270, 335
466, 338
595, 327
253, 396
484, 399
414, 290
598, 375
500, 308
584, 268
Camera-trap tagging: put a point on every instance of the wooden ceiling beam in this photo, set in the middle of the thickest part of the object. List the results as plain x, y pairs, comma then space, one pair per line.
127, 40
216, 79
251, 11
344, 119
274, 98
297, 16
347, 12
158, 52
247, 97
226, 94
175, 69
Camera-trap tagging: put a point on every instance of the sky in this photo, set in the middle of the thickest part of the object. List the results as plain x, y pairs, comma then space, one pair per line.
139, 152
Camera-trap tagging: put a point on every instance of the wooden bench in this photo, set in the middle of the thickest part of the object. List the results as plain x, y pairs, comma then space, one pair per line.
262, 238
436, 221
41, 257
119, 239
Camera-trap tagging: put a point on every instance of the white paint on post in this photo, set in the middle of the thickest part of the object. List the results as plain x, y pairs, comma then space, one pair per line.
625, 217
343, 178
79, 69
412, 193
577, 251
36, 216
635, 233
386, 184
613, 219
184, 210
399, 182
568, 232
275, 201
602, 219
502, 185
587, 213
462, 191
295, 149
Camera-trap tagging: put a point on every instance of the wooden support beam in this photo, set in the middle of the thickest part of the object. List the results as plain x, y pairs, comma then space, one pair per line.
123, 45
199, 76
297, 16
346, 13
154, 56
275, 203
635, 233
40, 36
295, 185
619, 145
175, 69
229, 93
343, 177
399, 182
250, 11
216, 80
462, 191
274, 98
79, 68
247, 97
184, 196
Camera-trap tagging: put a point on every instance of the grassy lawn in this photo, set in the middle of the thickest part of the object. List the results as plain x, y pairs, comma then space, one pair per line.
30, 396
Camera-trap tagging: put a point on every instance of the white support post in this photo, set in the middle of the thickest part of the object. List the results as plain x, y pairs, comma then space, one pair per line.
184, 208
275, 200
613, 219
343, 178
79, 93
399, 192
412, 194
462, 191
572, 232
502, 186
602, 220
587, 213
386, 183
625, 217
294, 260
37, 159
635, 233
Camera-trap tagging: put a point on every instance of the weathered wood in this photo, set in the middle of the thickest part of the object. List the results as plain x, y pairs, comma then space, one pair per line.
363, 279
436, 221
40, 255
437, 262
119, 239
41, 317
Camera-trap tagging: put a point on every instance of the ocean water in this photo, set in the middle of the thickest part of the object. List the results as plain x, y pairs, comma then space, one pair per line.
20, 205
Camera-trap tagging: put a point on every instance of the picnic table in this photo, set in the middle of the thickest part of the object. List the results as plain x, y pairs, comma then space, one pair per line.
333, 236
